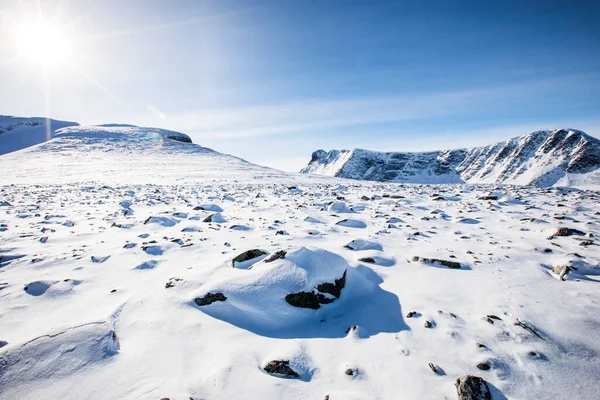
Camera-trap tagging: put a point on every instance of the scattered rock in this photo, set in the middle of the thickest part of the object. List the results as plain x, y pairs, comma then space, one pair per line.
561, 271
278, 255
433, 368
248, 255
281, 368
445, 263
428, 324
471, 387
412, 314
350, 372
209, 298
368, 260
527, 327
563, 231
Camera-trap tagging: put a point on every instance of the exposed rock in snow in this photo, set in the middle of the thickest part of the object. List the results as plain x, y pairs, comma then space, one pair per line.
472, 388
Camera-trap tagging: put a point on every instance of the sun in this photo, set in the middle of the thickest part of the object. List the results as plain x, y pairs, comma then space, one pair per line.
43, 43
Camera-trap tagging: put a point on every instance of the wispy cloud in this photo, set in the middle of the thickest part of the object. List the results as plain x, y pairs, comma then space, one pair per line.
317, 115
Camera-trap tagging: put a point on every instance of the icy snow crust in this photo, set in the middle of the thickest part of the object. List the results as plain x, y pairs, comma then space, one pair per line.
103, 250
544, 158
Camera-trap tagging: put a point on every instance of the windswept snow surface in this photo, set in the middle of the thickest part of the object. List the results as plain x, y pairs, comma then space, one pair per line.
104, 252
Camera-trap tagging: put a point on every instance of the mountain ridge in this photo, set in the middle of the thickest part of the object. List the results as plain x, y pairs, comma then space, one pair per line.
542, 158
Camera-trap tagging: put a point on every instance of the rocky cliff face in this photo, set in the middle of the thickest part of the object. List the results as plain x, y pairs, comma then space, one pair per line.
543, 158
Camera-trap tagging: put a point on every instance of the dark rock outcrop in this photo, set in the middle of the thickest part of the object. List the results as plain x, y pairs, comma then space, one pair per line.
209, 298
314, 299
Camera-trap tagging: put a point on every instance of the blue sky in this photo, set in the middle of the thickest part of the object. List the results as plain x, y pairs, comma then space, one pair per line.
272, 81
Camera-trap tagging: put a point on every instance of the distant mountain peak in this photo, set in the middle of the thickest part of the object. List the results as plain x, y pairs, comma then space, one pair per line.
544, 158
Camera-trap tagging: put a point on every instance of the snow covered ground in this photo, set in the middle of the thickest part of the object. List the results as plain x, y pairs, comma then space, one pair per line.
121, 278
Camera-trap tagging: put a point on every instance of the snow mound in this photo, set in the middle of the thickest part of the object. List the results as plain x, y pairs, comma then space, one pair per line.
339, 207
58, 355
256, 298
362, 244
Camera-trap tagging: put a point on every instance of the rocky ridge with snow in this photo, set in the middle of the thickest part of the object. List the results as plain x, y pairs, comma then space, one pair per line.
564, 157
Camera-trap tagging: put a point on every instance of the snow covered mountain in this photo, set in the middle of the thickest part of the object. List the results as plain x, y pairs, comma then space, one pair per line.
17, 133
564, 157
123, 154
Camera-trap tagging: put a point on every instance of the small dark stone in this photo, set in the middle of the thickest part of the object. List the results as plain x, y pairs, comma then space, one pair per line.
471, 387
113, 291
433, 367
349, 372
281, 367
278, 255
368, 260
209, 298
488, 198
483, 366
351, 328
428, 324
411, 314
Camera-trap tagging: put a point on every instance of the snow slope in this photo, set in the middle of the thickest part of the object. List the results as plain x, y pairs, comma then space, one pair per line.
119, 279
543, 158
123, 154
18, 133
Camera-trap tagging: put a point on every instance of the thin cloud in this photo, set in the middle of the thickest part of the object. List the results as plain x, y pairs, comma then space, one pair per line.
317, 115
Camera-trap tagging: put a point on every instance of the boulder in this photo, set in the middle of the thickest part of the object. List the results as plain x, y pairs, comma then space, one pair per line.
561, 271
471, 387
281, 368
563, 231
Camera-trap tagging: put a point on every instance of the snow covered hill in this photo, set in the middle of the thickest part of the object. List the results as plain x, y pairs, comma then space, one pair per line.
18, 133
124, 154
544, 158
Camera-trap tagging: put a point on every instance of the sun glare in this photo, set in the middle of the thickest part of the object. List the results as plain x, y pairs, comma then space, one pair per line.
43, 43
